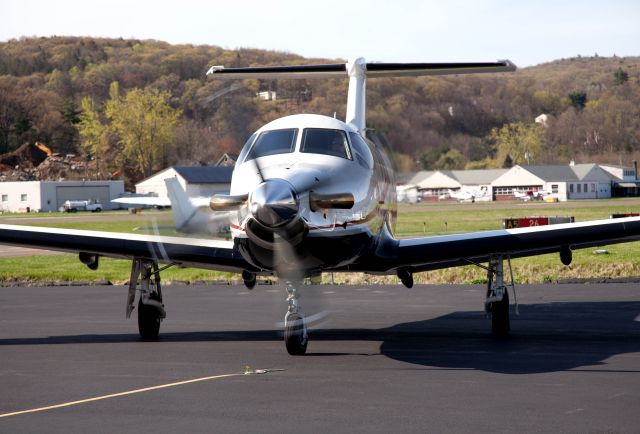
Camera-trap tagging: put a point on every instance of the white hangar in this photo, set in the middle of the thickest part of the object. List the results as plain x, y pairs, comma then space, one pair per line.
200, 181
47, 196
578, 181
433, 185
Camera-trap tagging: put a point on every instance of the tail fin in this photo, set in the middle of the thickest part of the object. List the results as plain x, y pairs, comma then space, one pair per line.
182, 208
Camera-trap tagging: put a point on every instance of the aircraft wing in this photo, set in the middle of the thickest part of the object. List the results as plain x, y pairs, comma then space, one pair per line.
430, 253
201, 253
143, 200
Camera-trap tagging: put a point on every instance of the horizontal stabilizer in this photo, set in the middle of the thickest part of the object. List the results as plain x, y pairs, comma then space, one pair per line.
416, 69
338, 70
300, 71
134, 201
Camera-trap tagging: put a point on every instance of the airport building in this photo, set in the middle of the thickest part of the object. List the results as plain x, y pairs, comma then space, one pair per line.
202, 181
574, 181
577, 181
47, 196
438, 185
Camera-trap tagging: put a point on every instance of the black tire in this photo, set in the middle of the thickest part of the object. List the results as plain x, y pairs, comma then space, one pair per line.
294, 338
500, 324
148, 319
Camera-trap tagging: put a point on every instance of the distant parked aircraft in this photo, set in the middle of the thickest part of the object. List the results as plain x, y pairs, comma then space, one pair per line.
530, 195
191, 215
468, 195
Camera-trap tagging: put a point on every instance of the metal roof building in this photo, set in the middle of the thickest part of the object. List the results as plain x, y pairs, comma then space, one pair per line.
574, 181
579, 181
46, 196
435, 185
195, 180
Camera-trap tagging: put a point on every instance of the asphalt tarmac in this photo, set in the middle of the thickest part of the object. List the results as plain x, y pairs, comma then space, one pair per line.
383, 359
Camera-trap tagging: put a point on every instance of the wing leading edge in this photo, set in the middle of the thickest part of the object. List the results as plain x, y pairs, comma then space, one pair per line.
201, 253
430, 253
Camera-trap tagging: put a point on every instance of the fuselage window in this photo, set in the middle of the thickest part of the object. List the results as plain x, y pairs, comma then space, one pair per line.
272, 143
326, 142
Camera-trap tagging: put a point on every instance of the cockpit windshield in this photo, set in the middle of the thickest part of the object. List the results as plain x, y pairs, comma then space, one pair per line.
272, 143
325, 141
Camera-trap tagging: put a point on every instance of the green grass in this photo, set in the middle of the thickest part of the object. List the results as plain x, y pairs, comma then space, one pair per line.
67, 267
71, 215
440, 219
622, 259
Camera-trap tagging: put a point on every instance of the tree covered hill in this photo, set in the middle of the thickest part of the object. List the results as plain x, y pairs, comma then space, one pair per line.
592, 104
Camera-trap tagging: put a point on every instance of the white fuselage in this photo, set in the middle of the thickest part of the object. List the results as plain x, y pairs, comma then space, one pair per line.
367, 177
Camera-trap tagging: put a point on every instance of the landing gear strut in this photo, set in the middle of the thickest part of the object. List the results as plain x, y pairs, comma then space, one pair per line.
295, 331
145, 277
497, 301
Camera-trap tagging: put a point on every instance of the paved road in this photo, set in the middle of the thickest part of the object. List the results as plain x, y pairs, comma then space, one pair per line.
386, 359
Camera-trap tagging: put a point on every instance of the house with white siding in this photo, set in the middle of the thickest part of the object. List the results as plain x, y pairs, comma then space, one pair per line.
578, 181
196, 181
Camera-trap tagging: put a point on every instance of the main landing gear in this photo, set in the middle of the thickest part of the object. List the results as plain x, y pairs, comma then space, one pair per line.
295, 331
145, 277
497, 301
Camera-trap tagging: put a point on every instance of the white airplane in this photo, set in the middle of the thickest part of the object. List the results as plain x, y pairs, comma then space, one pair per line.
191, 215
309, 194
530, 195
139, 201
468, 195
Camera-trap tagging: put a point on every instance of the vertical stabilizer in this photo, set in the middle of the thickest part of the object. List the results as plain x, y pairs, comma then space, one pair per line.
356, 100
182, 208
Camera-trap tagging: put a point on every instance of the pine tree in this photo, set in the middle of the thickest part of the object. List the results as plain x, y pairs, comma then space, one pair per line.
620, 77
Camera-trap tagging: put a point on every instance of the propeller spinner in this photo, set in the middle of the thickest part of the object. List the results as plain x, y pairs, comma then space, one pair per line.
274, 203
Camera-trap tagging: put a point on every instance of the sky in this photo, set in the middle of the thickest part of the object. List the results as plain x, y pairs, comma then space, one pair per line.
526, 32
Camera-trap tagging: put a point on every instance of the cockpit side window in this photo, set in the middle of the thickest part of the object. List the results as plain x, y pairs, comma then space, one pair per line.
326, 142
272, 143
361, 152
245, 149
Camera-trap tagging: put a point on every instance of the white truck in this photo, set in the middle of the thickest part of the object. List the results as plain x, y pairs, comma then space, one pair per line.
82, 205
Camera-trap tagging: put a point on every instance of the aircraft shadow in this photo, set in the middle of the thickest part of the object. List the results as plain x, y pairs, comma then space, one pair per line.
544, 338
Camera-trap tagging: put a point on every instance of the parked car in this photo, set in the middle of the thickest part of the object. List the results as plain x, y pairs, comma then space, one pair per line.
82, 205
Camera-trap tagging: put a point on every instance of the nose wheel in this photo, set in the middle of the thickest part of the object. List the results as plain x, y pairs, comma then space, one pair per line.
295, 335
295, 331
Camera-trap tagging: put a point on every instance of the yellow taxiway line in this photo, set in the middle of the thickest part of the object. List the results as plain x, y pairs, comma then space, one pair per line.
132, 392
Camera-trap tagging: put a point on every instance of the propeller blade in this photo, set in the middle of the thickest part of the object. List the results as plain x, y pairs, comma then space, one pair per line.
286, 260
227, 202
290, 268
258, 168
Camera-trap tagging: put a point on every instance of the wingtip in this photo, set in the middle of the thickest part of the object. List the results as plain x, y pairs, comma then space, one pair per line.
215, 69
509, 64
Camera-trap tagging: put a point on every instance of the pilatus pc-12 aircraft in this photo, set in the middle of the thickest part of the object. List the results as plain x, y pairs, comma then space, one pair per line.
309, 194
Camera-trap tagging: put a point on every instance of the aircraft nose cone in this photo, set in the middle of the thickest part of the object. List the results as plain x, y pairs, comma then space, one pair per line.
274, 203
